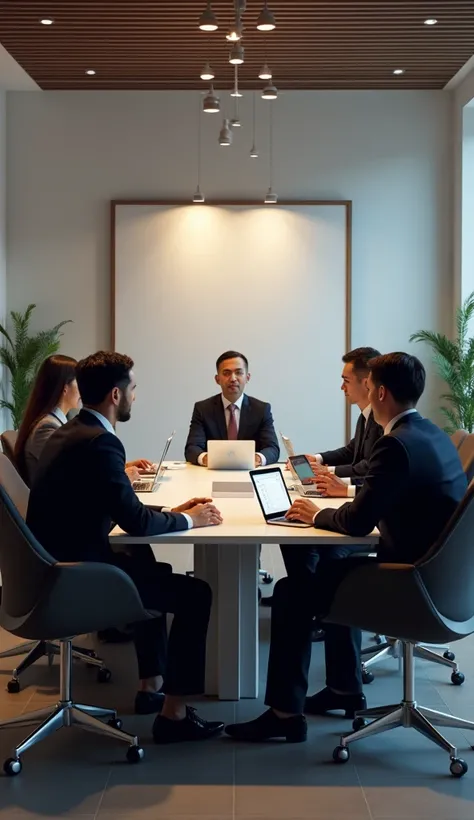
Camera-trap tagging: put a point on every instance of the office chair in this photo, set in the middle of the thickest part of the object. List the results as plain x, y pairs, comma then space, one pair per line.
389, 647
42, 599
8, 440
18, 492
458, 437
432, 602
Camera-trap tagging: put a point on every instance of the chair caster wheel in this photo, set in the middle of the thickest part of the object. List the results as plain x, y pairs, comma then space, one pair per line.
457, 678
13, 686
457, 767
341, 754
103, 675
267, 579
358, 723
13, 766
367, 677
135, 754
116, 723
450, 656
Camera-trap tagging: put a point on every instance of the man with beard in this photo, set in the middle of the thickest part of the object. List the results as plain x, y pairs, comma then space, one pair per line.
80, 491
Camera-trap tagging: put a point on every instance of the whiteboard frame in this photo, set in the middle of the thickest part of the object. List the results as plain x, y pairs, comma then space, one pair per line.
340, 203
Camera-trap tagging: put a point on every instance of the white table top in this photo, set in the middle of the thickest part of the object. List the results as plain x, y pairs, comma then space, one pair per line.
243, 520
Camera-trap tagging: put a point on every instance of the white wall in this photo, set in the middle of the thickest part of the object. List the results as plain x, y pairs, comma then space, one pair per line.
69, 153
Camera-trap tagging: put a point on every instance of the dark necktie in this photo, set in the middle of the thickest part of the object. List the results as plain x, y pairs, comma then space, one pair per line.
360, 442
232, 431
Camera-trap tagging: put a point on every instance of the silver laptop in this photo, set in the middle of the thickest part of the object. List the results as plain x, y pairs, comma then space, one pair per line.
273, 497
230, 455
149, 484
290, 451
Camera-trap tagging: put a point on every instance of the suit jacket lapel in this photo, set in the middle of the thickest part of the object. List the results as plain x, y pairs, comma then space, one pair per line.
220, 417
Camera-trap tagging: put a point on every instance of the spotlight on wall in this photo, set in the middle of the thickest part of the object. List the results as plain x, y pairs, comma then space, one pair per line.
211, 103
208, 20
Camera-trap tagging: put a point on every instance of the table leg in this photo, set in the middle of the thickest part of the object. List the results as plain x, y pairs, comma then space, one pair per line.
232, 643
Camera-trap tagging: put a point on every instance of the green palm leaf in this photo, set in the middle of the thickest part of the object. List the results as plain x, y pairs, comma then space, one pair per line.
454, 361
23, 356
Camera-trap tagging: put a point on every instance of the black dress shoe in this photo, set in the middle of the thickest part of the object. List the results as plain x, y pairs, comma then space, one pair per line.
192, 727
149, 703
268, 727
328, 701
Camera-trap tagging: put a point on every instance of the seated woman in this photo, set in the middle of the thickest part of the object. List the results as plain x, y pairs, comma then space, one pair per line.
53, 395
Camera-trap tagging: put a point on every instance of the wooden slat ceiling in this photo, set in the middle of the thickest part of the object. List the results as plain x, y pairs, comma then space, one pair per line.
318, 44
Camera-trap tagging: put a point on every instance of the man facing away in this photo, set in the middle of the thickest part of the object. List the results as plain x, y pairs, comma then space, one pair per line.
80, 492
413, 485
232, 415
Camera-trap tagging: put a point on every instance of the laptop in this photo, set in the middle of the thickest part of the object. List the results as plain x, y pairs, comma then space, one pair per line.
149, 484
304, 474
230, 455
290, 451
273, 497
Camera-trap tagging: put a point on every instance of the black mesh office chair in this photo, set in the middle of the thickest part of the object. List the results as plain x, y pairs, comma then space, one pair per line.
430, 602
18, 492
43, 599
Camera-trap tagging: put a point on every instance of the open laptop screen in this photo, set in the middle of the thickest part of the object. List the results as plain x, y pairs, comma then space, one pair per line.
271, 490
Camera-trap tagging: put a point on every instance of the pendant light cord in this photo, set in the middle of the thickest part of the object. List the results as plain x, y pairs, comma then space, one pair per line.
271, 145
199, 143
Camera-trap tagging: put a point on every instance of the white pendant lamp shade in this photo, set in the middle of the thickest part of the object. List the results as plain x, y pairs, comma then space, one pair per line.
269, 93
211, 103
207, 73
208, 20
225, 134
265, 73
266, 20
236, 56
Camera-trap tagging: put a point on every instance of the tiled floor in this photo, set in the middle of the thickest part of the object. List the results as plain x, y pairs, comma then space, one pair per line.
398, 776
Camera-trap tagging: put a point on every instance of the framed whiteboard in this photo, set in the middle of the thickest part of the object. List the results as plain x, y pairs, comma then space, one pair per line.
274, 282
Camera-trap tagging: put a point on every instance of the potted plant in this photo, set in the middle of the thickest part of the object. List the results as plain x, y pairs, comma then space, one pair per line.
22, 355
454, 360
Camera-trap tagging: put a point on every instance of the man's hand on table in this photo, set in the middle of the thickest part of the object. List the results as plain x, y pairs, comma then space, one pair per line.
331, 486
302, 510
141, 464
193, 502
204, 515
133, 473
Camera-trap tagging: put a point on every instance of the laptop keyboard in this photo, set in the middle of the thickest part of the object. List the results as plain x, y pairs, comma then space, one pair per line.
141, 486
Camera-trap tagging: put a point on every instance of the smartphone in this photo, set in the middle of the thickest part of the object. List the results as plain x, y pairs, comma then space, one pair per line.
302, 468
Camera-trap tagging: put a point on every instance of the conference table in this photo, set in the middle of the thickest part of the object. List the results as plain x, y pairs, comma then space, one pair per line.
227, 557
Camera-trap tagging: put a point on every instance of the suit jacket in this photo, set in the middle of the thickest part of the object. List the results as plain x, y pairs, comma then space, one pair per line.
414, 483
81, 488
35, 442
352, 461
208, 422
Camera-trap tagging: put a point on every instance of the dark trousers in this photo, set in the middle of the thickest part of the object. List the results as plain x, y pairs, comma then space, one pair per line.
301, 562
295, 603
180, 658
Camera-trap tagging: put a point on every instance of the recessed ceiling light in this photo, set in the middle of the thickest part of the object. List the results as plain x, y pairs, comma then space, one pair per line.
399, 71
431, 21
90, 72
46, 21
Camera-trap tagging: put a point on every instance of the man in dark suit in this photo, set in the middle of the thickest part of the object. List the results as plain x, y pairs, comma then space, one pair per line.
340, 470
80, 491
414, 483
232, 415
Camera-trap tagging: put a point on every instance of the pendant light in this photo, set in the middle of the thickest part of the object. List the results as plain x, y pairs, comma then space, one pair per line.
271, 198
235, 32
225, 134
207, 73
235, 91
266, 20
235, 121
269, 93
208, 20
253, 150
211, 103
199, 197
265, 73
236, 56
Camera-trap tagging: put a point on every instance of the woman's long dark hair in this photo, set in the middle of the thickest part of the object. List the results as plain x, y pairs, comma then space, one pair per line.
53, 376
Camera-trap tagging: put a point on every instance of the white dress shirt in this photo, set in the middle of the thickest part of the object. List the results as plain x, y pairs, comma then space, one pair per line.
389, 427
238, 407
59, 415
110, 429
